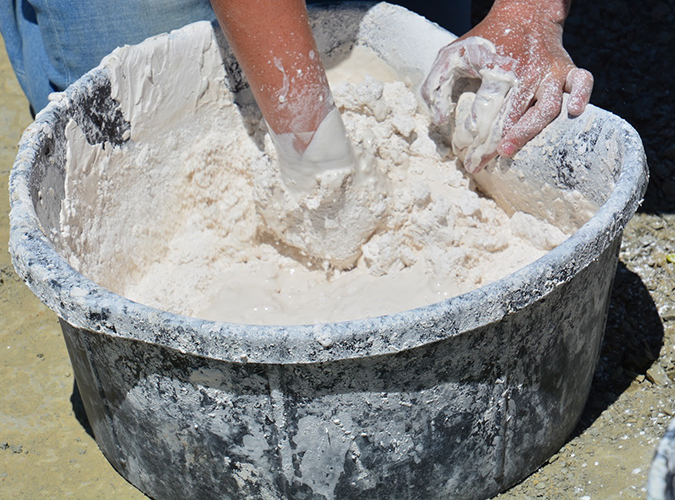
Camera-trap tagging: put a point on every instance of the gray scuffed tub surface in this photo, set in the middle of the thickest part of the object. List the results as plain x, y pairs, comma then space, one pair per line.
661, 480
459, 399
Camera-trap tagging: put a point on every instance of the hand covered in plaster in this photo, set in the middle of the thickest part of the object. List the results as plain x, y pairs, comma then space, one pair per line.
527, 37
469, 87
274, 44
331, 202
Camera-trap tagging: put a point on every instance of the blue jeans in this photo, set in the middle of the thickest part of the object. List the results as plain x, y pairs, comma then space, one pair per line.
51, 43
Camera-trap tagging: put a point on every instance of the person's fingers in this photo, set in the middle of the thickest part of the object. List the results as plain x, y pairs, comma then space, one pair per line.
544, 111
437, 75
487, 117
437, 87
519, 100
472, 168
459, 61
579, 83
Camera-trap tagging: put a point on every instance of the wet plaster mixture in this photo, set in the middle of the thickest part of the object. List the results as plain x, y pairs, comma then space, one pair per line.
434, 236
47, 451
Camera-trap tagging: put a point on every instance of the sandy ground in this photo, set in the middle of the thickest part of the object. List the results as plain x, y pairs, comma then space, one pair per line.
47, 451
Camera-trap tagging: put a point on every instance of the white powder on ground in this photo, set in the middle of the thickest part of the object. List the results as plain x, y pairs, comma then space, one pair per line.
176, 218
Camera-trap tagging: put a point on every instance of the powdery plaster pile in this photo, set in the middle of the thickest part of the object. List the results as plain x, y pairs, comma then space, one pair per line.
173, 218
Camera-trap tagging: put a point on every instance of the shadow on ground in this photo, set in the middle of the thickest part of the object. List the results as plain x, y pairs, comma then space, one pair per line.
632, 342
632, 60
79, 411
628, 48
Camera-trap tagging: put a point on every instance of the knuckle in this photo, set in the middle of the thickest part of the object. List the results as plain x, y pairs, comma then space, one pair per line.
553, 107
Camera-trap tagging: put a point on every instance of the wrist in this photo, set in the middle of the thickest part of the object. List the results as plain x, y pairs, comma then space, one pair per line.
528, 11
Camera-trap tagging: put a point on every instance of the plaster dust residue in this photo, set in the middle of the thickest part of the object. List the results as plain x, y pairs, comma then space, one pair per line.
173, 218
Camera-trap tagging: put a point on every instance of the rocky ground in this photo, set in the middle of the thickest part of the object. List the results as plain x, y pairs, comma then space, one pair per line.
46, 450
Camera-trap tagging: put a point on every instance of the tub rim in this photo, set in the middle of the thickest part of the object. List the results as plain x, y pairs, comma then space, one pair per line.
84, 304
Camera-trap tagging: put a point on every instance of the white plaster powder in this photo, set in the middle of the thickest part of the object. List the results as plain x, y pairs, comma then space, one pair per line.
176, 218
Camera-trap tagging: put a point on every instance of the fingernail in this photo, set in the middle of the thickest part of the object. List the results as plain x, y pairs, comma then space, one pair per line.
467, 164
506, 149
574, 107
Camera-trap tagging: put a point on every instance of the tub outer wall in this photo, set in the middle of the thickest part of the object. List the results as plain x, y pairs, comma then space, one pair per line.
463, 418
460, 399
